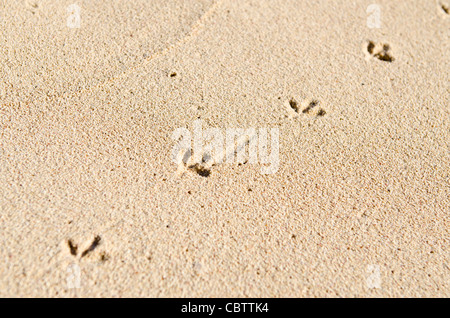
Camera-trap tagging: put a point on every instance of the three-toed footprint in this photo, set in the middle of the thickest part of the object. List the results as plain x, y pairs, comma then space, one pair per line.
379, 51
73, 249
308, 106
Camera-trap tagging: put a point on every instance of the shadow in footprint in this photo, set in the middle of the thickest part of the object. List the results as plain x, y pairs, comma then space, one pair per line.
445, 8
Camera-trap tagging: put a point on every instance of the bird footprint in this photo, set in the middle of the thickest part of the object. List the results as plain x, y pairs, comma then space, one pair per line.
306, 107
380, 51
73, 248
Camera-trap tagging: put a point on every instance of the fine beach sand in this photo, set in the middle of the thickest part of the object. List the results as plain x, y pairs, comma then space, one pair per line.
90, 196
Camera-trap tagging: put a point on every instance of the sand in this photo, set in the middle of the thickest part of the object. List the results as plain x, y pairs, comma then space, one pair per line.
92, 203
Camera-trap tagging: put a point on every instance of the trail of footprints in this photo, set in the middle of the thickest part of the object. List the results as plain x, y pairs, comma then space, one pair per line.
202, 164
372, 50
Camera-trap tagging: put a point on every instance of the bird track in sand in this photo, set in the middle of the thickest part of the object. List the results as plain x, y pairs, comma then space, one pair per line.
202, 165
308, 106
73, 248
